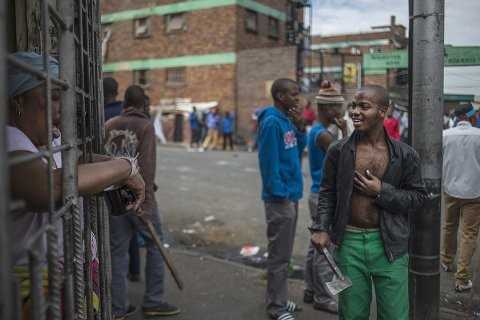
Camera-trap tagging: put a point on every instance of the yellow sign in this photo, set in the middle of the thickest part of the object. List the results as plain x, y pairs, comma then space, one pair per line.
350, 73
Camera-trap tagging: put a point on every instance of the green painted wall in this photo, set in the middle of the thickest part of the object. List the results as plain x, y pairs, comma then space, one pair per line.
191, 5
185, 61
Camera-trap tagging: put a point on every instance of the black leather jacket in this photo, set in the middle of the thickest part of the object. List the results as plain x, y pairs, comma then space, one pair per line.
403, 192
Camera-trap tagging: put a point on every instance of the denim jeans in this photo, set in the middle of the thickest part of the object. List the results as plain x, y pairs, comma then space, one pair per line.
122, 229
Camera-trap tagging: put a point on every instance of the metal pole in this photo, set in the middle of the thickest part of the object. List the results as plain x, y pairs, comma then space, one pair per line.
410, 70
66, 48
427, 104
6, 301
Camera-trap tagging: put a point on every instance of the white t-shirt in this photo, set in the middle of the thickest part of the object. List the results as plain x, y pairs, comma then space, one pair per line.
25, 224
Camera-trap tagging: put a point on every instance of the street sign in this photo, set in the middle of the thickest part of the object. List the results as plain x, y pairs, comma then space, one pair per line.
386, 60
398, 59
462, 56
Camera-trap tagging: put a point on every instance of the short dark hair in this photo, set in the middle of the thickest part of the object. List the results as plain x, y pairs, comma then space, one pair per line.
134, 97
110, 87
463, 109
379, 92
281, 86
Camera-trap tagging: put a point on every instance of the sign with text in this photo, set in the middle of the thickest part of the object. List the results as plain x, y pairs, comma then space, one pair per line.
454, 56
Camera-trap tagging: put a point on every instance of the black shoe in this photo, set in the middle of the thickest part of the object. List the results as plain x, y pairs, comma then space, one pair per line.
131, 310
329, 306
162, 310
308, 296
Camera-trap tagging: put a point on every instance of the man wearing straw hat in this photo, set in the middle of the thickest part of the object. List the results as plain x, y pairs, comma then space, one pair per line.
317, 271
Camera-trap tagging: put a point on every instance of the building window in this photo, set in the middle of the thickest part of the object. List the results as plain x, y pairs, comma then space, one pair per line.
251, 21
175, 22
375, 50
273, 27
176, 76
142, 27
140, 77
355, 51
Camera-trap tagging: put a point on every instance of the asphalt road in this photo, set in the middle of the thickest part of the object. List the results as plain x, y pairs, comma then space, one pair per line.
210, 203
223, 186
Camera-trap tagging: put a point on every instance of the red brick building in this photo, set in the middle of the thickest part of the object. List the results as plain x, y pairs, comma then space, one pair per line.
340, 57
226, 51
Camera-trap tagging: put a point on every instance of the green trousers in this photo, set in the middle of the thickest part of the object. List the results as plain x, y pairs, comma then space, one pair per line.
361, 256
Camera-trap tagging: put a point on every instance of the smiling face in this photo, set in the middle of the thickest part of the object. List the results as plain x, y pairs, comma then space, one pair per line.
366, 112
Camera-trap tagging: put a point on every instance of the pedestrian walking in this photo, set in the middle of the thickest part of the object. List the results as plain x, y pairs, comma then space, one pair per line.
461, 176
281, 140
317, 270
135, 124
194, 128
227, 130
371, 184
211, 140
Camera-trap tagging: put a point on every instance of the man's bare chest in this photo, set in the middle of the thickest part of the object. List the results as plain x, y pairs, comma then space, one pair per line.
374, 159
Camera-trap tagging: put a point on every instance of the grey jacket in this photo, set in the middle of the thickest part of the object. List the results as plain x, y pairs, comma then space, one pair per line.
403, 192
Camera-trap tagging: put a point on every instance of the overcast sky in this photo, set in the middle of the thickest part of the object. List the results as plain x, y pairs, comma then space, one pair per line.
461, 28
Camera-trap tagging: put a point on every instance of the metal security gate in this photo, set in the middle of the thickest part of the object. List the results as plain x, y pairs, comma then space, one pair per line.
69, 31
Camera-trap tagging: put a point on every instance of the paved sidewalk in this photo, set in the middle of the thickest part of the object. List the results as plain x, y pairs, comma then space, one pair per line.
220, 290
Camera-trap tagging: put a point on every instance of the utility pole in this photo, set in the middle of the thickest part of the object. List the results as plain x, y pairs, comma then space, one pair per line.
426, 90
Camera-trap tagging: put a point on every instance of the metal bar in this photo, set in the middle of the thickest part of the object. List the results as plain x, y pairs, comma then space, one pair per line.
36, 293
56, 17
47, 227
42, 153
54, 286
66, 50
427, 99
8, 300
42, 75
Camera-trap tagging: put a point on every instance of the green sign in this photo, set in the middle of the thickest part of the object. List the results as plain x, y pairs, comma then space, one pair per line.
462, 56
454, 56
387, 60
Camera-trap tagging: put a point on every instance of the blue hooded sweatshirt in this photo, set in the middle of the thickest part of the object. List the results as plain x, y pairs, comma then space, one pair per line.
280, 147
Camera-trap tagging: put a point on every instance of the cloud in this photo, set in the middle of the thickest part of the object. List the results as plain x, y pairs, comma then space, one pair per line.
351, 16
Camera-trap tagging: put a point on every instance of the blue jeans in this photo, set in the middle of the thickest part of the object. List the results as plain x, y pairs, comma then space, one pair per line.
122, 229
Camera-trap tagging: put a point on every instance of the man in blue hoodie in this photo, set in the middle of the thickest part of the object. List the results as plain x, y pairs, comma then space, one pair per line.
281, 140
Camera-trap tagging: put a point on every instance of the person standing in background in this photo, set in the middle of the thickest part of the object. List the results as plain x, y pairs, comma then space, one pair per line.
461, 176
392, 125
317, 270
281, 140
194, 128
227, 130
112, 107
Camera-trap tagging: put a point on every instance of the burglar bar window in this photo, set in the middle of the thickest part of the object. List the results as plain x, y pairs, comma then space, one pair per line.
140, 77
176, 76
142, 27
251, 21
273, 27
175, 22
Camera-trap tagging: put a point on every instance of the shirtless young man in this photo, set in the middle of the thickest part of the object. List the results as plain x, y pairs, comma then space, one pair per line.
371, 183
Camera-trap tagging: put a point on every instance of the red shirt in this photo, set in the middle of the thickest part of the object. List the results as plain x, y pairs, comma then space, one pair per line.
309, 115
393, 128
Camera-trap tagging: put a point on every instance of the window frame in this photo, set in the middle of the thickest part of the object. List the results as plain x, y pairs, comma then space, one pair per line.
168, 19
271, 35
249, 12
136, 78
148, 32
171, 83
